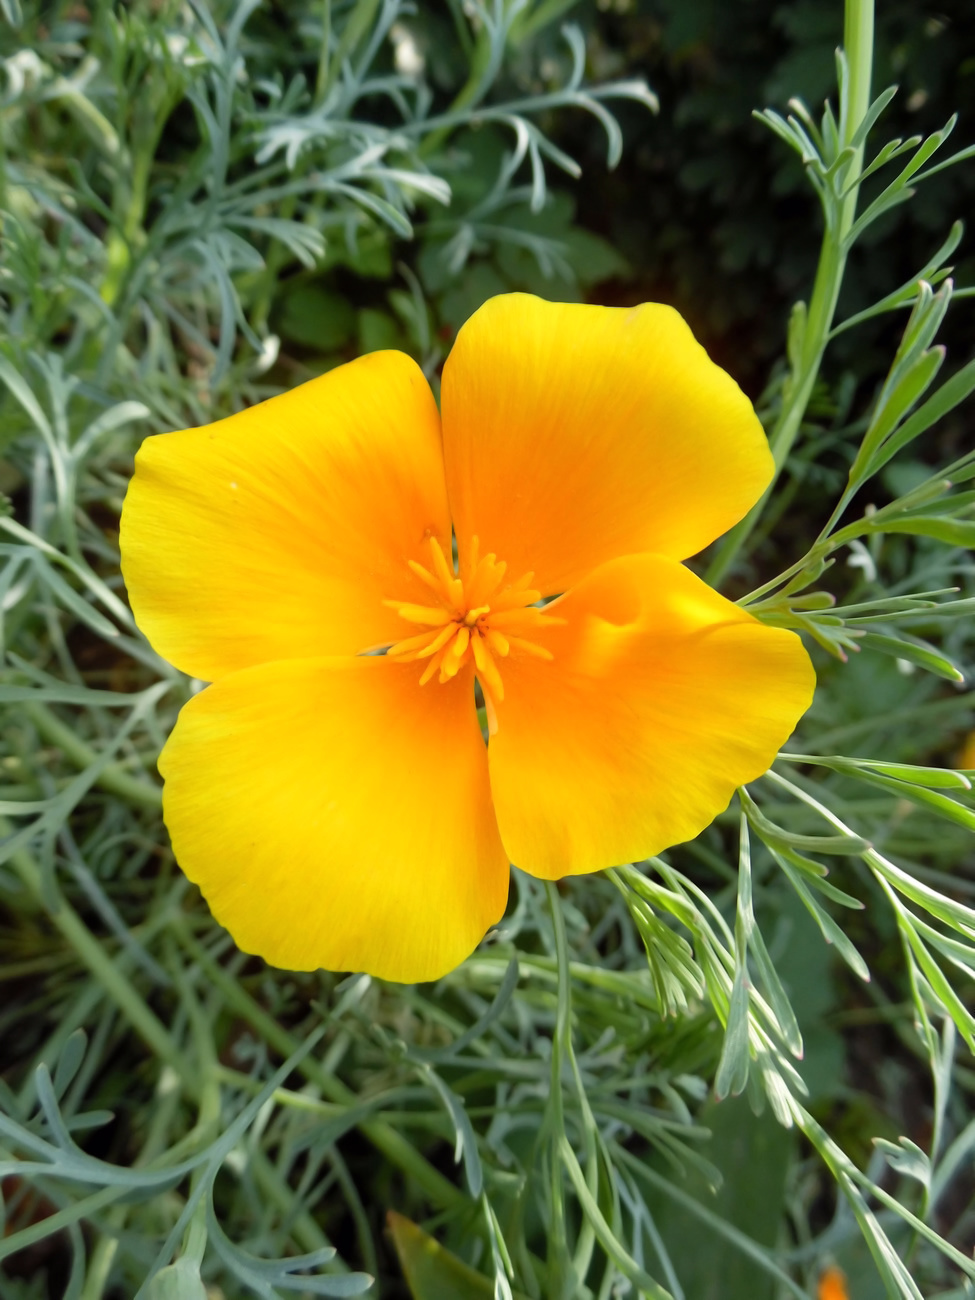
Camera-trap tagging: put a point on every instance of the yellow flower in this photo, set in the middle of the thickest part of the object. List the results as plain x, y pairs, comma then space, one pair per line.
339, 808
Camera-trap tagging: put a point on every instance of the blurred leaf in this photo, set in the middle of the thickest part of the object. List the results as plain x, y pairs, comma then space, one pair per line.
733, 1067
953, 532
806, 965
431, 1272
464, 297
180, 1281
831, 932
371, 256
915, 652
316, 318
376, 330
753, 1153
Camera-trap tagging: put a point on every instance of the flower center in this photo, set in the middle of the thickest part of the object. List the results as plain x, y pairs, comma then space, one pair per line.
474, 615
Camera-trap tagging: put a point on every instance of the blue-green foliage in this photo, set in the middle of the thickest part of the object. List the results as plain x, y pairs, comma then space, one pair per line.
201, 204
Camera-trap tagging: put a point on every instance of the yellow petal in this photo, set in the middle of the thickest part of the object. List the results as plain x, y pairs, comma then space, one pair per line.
662, 697
277, 533
336, 814
574, 434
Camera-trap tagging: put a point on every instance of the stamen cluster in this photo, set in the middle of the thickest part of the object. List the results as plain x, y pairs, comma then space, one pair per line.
476, 615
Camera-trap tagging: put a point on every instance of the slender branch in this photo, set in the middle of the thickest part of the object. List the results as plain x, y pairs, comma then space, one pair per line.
855, 101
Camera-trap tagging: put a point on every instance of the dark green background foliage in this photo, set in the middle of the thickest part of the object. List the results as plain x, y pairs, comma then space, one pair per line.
714, 216
706, 210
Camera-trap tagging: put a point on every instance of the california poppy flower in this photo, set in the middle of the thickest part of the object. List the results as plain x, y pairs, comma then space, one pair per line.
337, 805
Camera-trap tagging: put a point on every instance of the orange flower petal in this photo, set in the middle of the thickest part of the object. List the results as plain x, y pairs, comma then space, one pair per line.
832, 1285
277, 533
662, 697
336, 814
574, 434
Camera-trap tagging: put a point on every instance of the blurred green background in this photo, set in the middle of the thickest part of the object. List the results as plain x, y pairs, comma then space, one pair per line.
706, 210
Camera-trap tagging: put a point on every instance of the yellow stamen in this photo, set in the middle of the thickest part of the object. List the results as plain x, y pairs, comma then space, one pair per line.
497, 641
473, 551
523, 620
486, 667
426, 614
477, 616
490, 712
424, 575
439, 640
440, 568
403, 649
531, 648
430, 669
461, 642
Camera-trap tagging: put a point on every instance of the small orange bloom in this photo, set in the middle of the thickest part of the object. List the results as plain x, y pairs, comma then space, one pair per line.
338, 806
832, 1285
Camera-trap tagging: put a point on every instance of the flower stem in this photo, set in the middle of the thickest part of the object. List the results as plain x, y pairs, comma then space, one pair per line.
113, 777
559, 1265
855, 101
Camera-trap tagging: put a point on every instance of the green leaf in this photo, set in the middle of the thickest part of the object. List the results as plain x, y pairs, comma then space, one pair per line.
675, 974
735, 1057
915, 652
949, 395
906, 1157
592, 258
955, 532
465, 1138
948, 808
871, 116
316, 318
69, 1061
431, 1271
776, 837
940, 985
776, 994
371, 255
953, 913
906, 393
180, 1281
723, 1241
796, 336
897, 191
378, 331
647, 1286
935, 778
24, 394
830, 930
933, 271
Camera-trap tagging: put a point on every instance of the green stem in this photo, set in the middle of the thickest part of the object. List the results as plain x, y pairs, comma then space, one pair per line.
208, 1101
560, 1273
386, 1139
563, 1014
112, 777
858, 45
323, 80
145, 1022
99, 1272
